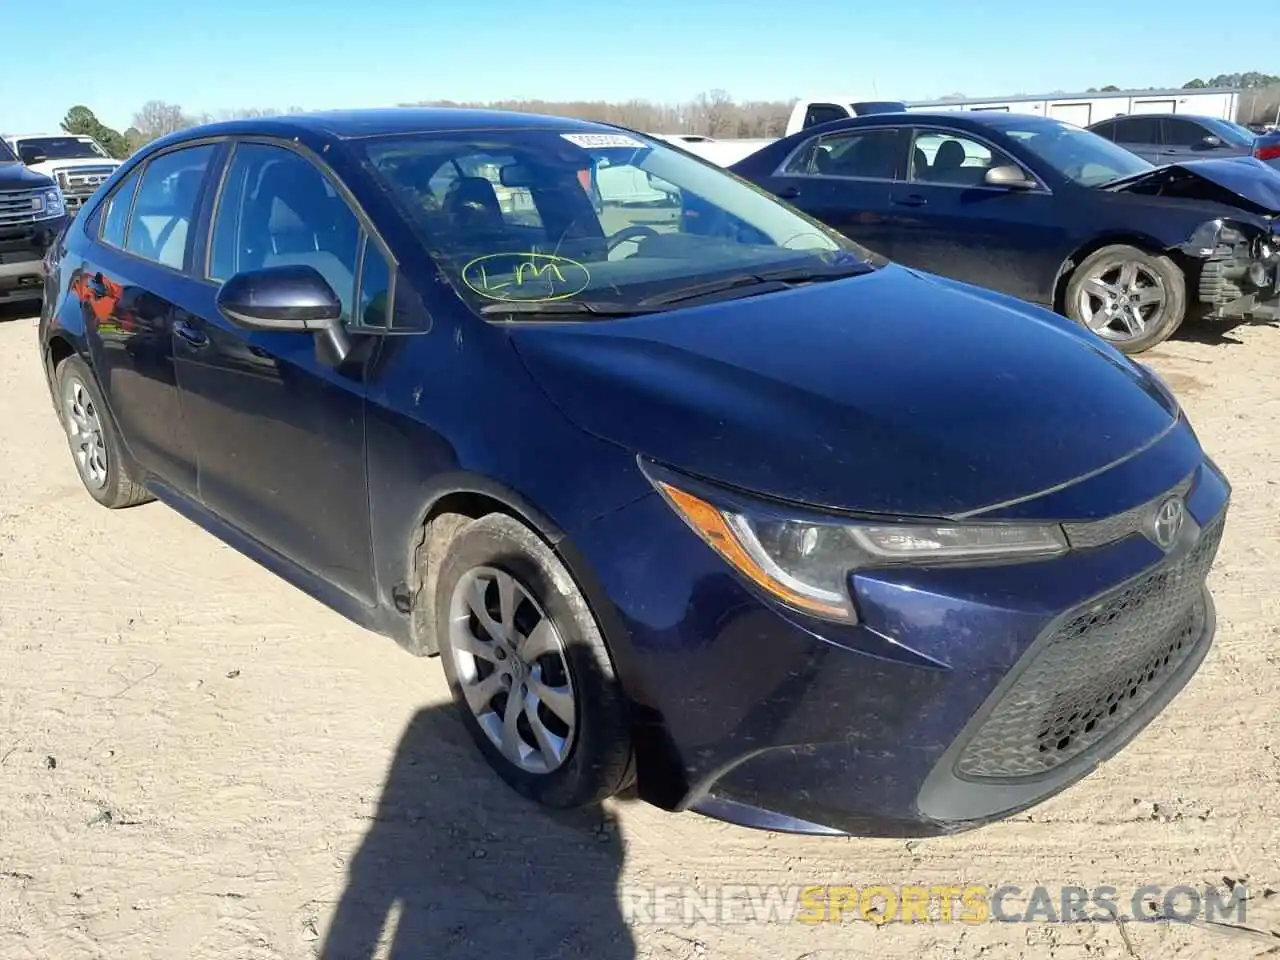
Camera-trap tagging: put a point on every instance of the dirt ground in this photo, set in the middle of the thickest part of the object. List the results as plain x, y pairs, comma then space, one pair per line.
198, 761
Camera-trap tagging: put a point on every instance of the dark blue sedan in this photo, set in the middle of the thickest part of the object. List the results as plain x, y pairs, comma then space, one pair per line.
1044, 211
691, 494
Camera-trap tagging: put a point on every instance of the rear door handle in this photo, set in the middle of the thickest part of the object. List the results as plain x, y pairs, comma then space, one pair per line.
190, 334
910, 200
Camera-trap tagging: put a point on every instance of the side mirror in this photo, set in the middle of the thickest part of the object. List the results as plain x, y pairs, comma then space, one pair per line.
288, 299
1211, 142
1009, 177
31, 155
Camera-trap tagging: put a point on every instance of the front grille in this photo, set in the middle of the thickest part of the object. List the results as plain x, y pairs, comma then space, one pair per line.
1095, 533
18, 206
80, 183
1099, 667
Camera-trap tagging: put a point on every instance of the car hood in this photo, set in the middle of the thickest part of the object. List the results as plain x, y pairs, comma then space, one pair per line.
1237, 181
893, 392
15, 175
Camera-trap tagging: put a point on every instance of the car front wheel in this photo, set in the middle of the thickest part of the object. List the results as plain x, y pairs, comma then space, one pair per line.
528, 667
1131, 298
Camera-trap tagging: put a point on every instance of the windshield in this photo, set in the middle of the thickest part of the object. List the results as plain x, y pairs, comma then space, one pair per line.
554, 216
64, 148
1232, 134
1076, 153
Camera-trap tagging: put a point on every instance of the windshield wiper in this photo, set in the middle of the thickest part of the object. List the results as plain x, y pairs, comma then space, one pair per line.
599, 308
787, 276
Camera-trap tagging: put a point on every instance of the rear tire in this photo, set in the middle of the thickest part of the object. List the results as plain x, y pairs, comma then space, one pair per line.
1128, 297
105, 468
531, 676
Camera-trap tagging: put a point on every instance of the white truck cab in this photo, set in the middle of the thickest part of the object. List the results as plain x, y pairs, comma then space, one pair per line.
78, 163
806, 113
811, 113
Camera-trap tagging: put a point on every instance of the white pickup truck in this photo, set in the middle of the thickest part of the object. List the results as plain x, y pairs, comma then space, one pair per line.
78, 163
805, 114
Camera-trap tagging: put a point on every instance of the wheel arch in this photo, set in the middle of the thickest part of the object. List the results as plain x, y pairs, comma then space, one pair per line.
1130, 238
473, 496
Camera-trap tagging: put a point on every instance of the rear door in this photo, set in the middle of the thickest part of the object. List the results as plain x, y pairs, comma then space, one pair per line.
278, 429
845, 180
949, 222
1140, 135
128, 286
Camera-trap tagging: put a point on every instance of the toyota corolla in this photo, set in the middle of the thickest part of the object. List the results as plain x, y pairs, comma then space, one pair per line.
698, 497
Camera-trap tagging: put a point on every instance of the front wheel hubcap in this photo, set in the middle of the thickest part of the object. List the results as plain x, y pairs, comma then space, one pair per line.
511, 668
84, 428
1120, 302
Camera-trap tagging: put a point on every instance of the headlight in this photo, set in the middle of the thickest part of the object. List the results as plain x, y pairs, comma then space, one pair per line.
49, 204
806, 564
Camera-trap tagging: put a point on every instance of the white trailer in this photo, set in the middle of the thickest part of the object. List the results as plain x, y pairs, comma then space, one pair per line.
1083, 109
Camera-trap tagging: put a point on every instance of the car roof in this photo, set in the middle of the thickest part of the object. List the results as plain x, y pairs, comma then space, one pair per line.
1165, 116
58, 135
388, 121
971, 119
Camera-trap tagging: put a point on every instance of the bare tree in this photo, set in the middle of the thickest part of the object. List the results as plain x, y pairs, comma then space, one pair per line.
155, 119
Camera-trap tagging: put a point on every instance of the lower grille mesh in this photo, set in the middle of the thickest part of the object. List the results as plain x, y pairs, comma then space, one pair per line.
1099, 667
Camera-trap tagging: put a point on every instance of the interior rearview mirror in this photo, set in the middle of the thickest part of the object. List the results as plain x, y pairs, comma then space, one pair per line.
31, 155
1010, 177
516, 175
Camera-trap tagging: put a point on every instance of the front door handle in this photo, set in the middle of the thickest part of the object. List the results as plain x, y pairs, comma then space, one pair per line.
789, 193
190, 334
910, 200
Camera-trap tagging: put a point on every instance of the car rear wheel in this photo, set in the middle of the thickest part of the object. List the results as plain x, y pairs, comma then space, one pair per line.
105, 468
528, 667
1131, 298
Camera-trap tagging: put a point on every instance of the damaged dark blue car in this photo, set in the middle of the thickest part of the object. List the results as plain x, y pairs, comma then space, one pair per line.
692, 495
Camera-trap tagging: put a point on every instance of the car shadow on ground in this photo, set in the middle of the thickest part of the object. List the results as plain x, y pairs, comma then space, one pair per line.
457, 865
1218, 333
22, 310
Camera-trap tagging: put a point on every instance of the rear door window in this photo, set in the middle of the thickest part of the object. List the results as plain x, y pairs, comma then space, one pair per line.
115, 220
872, 154
165, 205
1137, 130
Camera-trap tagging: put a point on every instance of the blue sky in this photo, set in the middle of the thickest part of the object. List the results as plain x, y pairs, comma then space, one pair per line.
209, 56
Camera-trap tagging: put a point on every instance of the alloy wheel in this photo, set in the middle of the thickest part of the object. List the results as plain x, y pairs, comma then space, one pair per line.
84, 428
1119, 301
511, 668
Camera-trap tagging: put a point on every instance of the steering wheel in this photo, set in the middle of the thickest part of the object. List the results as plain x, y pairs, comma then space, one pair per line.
634, 232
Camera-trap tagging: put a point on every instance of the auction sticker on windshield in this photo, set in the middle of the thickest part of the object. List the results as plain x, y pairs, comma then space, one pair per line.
525, 277
597, 140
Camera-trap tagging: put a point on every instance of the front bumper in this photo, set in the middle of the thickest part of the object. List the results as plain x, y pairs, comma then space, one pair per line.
22, 253
963, 696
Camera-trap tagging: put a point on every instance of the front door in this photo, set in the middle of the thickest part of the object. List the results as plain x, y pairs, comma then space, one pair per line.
949, 222
280, 432
845, 180
127, 290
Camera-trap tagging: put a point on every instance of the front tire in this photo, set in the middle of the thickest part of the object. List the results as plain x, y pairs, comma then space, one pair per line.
105, 469
528, 667
1131, 298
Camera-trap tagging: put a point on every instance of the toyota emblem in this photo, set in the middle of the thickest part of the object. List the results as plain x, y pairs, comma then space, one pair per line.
1167, 523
